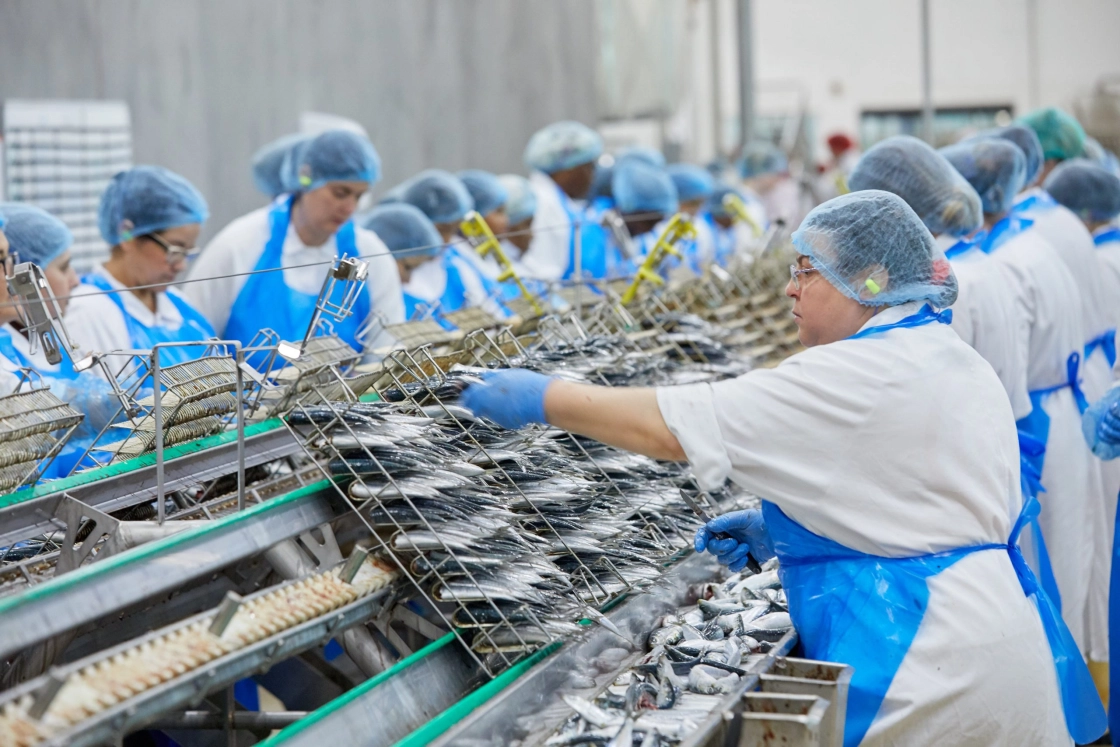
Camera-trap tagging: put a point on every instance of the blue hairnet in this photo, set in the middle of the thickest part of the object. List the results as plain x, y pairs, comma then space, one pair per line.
1028, 142
440, 195
1086, 188
641, 188
522, 202
875, 249
404, 229
714, 204
1060, 134
562, 145
761, 158
33, 233
268, 164
995, 168
1101, 155
331, 156
147, 199
486, 191
648, 156
692, 182
911, 169
601, 182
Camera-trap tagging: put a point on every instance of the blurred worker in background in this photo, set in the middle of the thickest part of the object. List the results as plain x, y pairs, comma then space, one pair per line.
900, 563
694, 186
409, 235
449, 281
834, 175
730, 235
764, 169
562, 160
36, 236
644, 196
983, 315
1049, 310
521, 206
241, 287
151, 217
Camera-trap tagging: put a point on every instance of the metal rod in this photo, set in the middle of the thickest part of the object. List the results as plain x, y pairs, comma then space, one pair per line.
927, 77
746, 73
239, 358
157, 414
246, 720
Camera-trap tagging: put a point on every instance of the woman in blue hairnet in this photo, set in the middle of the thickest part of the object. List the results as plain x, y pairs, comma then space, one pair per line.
645, 197
951, 209
307, 228
450, 280
888, 457
562, 159
1049, 313
521, 206
694, 186
151, 217
410, 236
731, 236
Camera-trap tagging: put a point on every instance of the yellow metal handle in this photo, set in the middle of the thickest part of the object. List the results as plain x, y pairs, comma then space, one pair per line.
679, 227
478, 233
735, 206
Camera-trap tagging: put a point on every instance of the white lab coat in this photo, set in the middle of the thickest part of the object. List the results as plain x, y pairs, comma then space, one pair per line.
238, 247
96, 324
1049, 307
899, 444
549, 252
983, 316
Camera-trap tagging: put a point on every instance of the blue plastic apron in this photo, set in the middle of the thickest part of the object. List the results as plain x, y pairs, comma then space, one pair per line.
865, 610
723, 241
142, 337
266, 300
1006, 229
1106, 237
593, 242
492, 288
965, 245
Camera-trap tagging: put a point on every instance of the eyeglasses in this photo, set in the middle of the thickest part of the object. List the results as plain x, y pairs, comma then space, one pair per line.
796, 272
175, 254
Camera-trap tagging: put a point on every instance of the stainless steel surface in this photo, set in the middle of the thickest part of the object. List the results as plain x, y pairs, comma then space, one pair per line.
822, 679
788, 720
45, 610
247, 720
37, 515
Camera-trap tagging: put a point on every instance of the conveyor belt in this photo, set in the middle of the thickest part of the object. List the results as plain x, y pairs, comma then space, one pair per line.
30, 512
102, 588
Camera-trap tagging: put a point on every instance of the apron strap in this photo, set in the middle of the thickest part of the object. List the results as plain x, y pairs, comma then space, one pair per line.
1106, 341
924, 316
1107, 237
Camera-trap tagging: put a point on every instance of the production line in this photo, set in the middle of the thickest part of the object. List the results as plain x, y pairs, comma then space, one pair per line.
362, 504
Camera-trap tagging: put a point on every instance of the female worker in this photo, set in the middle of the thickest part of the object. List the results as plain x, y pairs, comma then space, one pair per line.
521, 206
1049, 314
489, 198
730, 236
645, 197
151, 217
562, 159
889, 460
411, 238
448, 281
238, 284
36, 236
953, 212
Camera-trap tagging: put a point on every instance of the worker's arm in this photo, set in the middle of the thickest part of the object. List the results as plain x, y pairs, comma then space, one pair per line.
626, 417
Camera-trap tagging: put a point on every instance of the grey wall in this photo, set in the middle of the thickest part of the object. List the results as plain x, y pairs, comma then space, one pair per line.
447, 83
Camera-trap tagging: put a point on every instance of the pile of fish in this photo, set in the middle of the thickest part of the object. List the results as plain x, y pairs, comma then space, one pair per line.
698, 657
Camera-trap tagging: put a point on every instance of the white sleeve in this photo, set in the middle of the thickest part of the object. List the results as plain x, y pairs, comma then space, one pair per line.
547, 257
383, 285
215, 279
96, 324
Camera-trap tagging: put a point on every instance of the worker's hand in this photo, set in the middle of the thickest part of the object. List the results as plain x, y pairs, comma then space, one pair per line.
1101, 425
745, 534
512, 398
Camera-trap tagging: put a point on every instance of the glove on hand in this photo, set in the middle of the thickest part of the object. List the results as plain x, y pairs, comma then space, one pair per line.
512, 398
746, 536
1101, 425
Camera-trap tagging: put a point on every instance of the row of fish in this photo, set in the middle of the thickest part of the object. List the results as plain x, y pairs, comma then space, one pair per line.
697, 658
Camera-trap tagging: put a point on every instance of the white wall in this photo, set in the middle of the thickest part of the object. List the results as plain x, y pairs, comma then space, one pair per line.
866, 54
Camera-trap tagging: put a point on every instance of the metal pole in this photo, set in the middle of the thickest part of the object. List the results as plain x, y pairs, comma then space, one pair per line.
927, 77
746, 73
1032, 54
157, 415
717, 106
239, 359
578, 238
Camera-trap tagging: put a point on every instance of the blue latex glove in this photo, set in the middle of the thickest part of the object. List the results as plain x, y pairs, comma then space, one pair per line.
1101, 425
746, 535
512, 398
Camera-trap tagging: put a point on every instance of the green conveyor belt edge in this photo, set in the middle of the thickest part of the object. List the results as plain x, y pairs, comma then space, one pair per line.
456, 713
342, 700
145, 552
